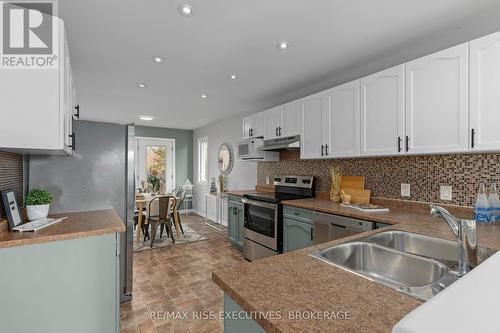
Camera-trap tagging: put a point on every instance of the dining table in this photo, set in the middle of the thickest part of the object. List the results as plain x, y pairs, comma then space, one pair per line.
142, 201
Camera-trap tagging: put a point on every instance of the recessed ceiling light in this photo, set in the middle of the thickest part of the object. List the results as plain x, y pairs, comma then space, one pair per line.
158, 59
146, 118
142, 85
186, 9
204, 95
233, 77
283, 45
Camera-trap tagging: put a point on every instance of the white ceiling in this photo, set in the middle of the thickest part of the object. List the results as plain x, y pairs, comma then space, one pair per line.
332, 41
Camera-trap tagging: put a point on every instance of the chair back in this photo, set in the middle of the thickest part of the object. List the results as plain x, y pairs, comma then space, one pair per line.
181, 196
161, 207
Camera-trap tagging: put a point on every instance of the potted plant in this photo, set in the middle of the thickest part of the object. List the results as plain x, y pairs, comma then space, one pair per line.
37, 204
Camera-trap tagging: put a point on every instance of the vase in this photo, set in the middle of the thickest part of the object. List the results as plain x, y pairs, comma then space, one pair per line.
36, 212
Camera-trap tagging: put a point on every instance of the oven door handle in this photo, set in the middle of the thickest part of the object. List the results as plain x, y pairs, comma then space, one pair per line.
258, 203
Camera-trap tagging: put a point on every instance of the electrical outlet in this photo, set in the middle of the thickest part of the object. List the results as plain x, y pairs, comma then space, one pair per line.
405, 190
445, 192
267, 180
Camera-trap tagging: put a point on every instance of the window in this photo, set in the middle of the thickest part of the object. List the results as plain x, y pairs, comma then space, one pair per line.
203, 160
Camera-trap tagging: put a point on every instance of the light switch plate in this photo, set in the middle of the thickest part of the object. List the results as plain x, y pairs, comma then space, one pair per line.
445, 192
405, 190
267, 180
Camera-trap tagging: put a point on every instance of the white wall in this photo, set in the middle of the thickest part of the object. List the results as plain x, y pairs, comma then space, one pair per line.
242, 177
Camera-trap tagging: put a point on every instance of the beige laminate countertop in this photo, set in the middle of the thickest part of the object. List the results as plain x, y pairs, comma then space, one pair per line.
77, 225
295, 281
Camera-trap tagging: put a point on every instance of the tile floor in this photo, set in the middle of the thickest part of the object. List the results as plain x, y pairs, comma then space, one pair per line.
178, 278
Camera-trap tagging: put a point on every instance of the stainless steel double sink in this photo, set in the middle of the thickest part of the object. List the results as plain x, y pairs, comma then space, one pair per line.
416, 265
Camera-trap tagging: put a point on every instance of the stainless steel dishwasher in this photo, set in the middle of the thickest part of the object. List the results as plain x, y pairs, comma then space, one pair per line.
329, 227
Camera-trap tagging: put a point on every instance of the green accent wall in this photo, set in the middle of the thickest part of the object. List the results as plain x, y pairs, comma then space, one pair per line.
183, 148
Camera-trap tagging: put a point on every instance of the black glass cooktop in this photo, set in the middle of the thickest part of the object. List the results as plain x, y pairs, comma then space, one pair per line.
274, 197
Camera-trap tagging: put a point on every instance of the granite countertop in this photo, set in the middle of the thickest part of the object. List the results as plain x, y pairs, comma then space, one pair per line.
77, 225
295, 281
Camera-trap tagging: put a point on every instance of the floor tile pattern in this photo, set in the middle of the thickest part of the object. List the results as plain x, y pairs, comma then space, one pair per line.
178, 278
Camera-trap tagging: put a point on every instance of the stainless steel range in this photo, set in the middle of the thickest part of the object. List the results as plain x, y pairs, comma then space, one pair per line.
264, 215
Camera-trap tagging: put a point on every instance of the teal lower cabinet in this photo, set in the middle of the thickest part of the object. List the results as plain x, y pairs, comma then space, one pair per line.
297, 234
235, 220
61, 286
236, 320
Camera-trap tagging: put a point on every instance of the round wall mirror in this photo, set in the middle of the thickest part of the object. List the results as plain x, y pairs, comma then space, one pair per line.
225, 158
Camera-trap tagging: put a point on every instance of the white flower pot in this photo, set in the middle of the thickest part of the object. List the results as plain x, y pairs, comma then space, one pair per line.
37, 212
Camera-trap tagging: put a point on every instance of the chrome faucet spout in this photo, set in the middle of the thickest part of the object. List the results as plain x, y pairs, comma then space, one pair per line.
465, 231
452, 221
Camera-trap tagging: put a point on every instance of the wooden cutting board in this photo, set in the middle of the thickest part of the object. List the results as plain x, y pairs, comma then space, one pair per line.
358, 196
355, 182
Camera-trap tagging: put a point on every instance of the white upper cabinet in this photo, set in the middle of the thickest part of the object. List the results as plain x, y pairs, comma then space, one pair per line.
282, 121
247, 127
343, 120
313, 133
272, 122
290, 119
253, 126
37, 105
485, 93
437, 102
382, 112
258, 125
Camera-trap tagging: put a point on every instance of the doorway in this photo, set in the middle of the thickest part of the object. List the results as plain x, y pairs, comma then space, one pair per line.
155, 162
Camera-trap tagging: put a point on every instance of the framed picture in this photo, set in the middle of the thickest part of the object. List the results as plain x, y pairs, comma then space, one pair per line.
12, 210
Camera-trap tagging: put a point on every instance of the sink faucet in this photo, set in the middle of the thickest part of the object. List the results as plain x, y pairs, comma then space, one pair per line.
465, 231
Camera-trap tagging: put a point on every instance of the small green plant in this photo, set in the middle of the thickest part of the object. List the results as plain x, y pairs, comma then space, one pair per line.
154, 181
38, 197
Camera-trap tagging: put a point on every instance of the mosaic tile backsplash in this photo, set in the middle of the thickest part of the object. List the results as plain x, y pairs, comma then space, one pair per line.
384, 175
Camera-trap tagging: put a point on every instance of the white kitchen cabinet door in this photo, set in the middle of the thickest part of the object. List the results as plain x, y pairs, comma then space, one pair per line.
382, 112
272, 119
437, 102
247, 126
258, 125
343, 120
34, 104
485, 93
313, 132
290, 119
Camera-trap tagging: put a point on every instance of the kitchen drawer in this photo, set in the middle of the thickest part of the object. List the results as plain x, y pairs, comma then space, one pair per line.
304, 215
235, 199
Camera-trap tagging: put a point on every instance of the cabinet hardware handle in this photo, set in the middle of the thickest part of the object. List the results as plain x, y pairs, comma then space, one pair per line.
326, 150
312, 234
279, 132
77, 114
73, 138
399, 144
407, 143
322, 148
276, 131
472, 134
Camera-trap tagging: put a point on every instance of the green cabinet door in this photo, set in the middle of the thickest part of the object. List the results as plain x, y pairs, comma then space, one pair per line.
232, 223
296, 234
61, 286
241, 222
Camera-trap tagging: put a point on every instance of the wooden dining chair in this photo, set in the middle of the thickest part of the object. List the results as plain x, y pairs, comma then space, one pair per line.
181, 194
159, 213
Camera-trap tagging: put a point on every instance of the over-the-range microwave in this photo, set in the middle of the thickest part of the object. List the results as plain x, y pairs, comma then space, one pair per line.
248, 150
